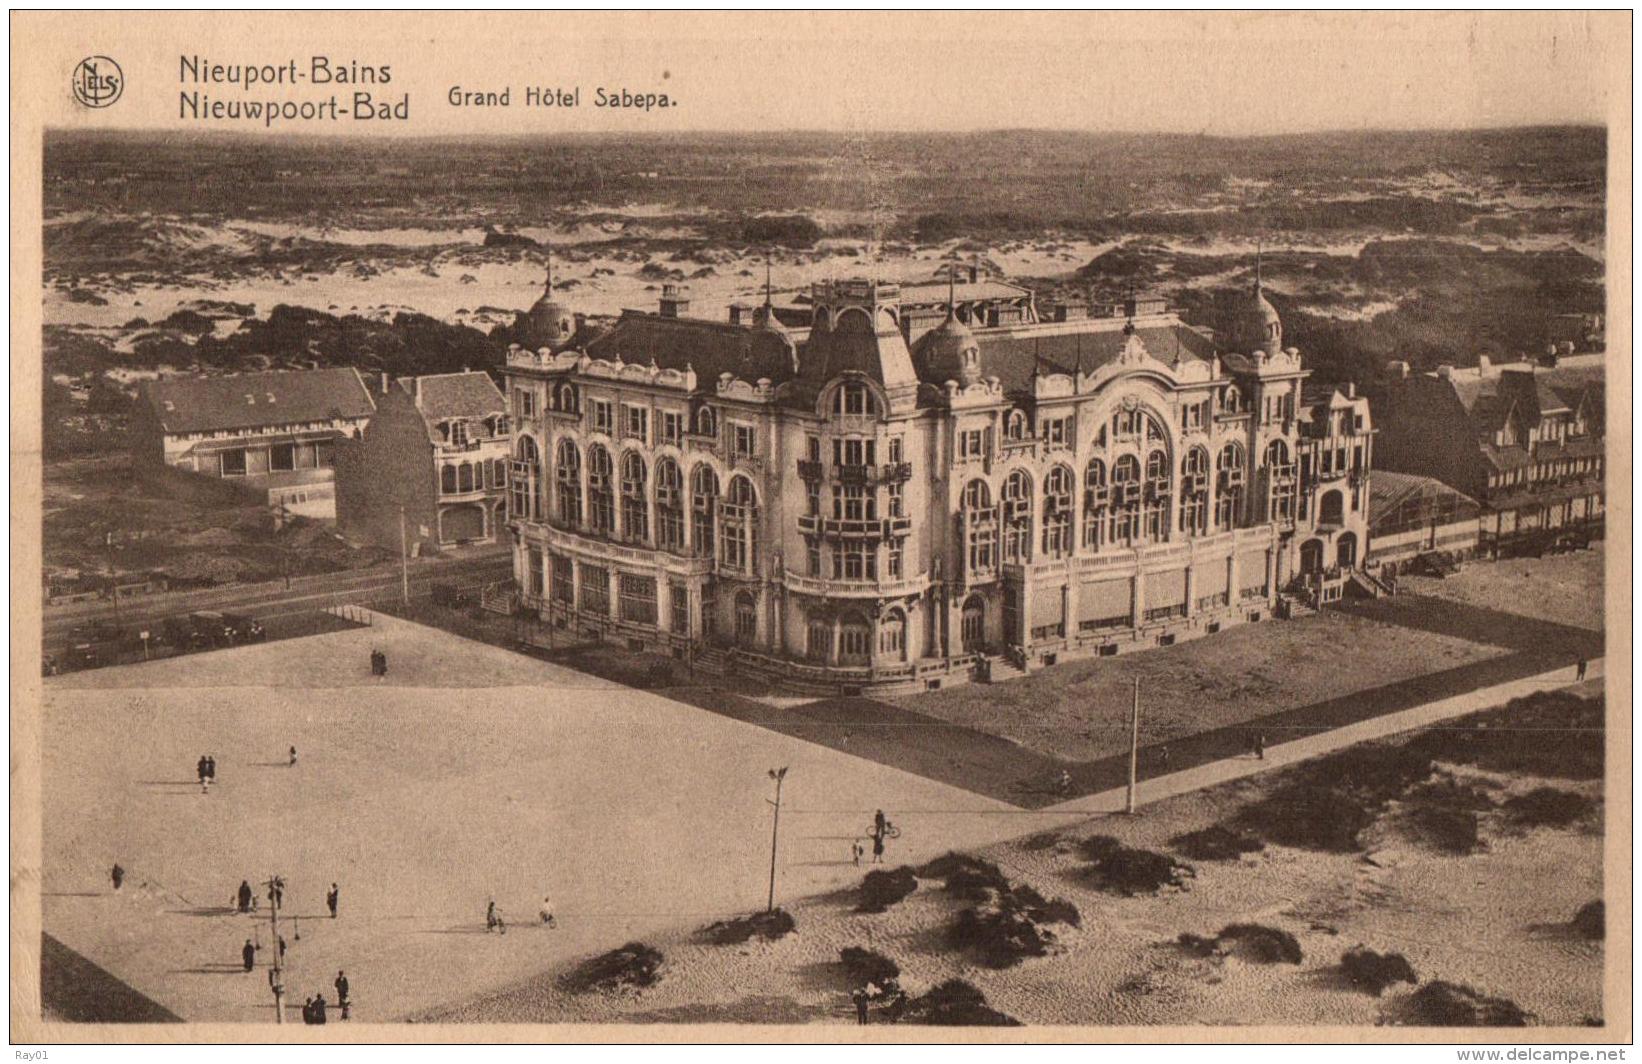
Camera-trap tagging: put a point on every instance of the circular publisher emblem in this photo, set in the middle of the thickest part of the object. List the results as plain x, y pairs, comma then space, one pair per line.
98, 81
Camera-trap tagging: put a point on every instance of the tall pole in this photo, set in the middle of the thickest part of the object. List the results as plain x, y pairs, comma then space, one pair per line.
113, 577
276, 974
1134, 749
778, 775
404, 561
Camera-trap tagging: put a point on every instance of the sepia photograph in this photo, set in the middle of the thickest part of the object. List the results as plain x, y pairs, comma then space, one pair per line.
749, 526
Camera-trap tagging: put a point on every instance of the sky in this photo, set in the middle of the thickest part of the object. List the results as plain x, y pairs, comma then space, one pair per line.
1215, 73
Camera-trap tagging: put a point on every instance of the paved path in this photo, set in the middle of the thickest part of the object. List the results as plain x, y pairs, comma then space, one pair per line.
1283, 754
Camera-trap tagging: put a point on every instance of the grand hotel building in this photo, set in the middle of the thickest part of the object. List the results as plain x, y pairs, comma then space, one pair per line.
871, 502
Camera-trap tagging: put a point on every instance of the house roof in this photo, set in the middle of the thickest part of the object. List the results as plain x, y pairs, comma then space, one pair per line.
455, 395
1391, 494
1013, 354
257, 400
711, 348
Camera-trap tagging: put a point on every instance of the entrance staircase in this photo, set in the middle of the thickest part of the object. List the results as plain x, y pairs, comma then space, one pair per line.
999, 668
501, 597
1292, 606
1370, 585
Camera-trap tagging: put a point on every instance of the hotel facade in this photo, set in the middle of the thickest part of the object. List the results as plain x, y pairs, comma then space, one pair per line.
840, 509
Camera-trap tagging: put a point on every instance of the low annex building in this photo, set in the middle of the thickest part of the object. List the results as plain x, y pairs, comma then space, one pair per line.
1525, 441
436, 452
839, 508
1419, 522
272, 432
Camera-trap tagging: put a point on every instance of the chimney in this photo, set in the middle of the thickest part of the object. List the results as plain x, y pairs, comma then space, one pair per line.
1484, 363
384, 382
735, 313
1397, 369
1351, 389
1446, 371
975, 271
675, 301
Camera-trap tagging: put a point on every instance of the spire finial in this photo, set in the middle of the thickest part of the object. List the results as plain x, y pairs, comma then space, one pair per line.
1259, 254
550, 269
766, 279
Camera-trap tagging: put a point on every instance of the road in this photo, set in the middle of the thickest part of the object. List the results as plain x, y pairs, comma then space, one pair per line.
272, 600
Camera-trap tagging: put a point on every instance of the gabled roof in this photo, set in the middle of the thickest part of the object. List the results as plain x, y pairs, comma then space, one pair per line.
1387, 491
711, 348
257, 400
455, 395
1014, 354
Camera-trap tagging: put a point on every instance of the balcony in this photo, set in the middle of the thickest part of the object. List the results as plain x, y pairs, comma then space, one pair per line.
809, 470
850, 528
863, 589
849, 473
1281, 472
895, 472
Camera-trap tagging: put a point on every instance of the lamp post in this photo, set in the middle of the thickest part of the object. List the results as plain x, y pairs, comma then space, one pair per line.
276, 973
777, 774
1134, 749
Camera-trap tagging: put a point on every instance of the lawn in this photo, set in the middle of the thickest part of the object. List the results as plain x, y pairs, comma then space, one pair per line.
469, 773
1562, 588
1079, 710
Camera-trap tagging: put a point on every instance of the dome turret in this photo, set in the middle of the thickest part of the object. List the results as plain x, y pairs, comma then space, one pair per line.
1259, 327
948, 352
549, 322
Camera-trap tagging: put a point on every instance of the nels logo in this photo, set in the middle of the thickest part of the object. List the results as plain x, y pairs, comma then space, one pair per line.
98, 81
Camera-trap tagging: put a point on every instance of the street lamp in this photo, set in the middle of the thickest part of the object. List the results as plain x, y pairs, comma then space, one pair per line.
777, 774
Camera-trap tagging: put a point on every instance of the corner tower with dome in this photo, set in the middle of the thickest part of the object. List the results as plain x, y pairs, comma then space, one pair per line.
871, 499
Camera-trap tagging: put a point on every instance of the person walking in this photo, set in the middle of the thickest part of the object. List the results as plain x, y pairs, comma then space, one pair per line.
293, 757
547, 912
1260, 746
856, 850
331, 898
493, 919
859, 996
1163, 758
319, 1009
248, 954
308, 1011
878, 848
1579, 670
199, 768
245, 895
117, 875
210, 768
341, 984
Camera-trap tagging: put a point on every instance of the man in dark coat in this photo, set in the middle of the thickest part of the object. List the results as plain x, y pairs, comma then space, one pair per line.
200, 768
341, 985
244, 896
117, 874
249, 955
331, 898
859, 996
319, 1008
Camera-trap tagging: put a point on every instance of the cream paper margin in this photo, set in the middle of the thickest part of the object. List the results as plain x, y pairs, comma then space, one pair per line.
46, 46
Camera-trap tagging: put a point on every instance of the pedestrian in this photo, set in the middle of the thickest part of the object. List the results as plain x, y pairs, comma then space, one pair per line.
1260, 746
308, 1011
200, 768
1163, 758
878, 822
1065, 782
245, 896
856, 850
210, 768
278, 892
293, 757
384, 658
493, 919
249, 955
375, 665
547, 912
1579, 671
341, 985
331, 897
859, 996
117, 874
878, 848
281, 948
319, 1008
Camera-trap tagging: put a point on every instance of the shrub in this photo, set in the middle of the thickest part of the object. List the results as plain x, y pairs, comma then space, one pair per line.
1309, 816
1044, 910
1548, 807
1550, 733
863, 966
1131, 871
1448, 830
635, 965
1444, 1004
1591, 920
953, 1003
998, 936
766, 925
1216, 843
968, 878
1373, 971
881, 889
1262, 944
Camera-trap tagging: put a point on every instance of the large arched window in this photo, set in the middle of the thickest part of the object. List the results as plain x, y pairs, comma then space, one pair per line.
566, 398
980, 522
1017, 517
1057, 513
1194, 492
704, 507
1014, 425
818, 647
746, 618
601, 491
568, 472
1228, 487
525, 499
706, 422
854, 399
1123, 514
669, 505
892, 636
854, 640
1096, 498
464, 477
1280, 478
635, 502
1159, 486
740, 531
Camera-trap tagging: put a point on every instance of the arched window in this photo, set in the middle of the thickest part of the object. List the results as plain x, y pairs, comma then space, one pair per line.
819, 645
499, 473
568, 472
464, 479
1123, 514
854, 640
740, 532
973, 624
567, 398
1332, 507
525, 500
892, 635
1017, 517
1057, 513
854, 399
1014, 426
1159, 486
601, 492
746, 618
1228, 488
1096, 498
704, 505
635, 503
1233, 400
706, 422
447, 480
980, 529
1280, 478
1194, 492
669, 505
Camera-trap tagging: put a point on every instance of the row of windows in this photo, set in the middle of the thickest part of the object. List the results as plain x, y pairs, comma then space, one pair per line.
456, 478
